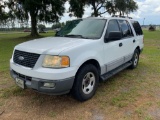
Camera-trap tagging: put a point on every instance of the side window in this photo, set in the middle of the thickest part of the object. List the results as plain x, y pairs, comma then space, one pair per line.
130, 29
113, 27
125, 27
137, 28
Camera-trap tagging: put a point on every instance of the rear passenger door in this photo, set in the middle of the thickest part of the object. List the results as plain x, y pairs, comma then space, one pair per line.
128, 40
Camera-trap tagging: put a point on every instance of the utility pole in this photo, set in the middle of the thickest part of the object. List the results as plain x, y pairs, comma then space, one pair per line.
143, 21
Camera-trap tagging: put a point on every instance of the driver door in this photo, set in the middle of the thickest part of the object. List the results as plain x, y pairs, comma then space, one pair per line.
113, 50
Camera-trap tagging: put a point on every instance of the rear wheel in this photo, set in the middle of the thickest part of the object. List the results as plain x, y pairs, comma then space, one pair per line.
135, 59
86, 83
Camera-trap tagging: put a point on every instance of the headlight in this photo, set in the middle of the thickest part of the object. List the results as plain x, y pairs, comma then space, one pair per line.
56, 61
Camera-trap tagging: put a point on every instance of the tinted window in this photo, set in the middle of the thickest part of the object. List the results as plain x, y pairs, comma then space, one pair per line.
126, 30
112, 27
137, 28
130, 29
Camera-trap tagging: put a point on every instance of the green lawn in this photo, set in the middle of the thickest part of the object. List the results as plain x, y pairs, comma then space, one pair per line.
7, 43
129, 95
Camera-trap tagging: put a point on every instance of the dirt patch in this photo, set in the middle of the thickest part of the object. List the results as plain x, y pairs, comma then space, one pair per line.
5, 80
154, 113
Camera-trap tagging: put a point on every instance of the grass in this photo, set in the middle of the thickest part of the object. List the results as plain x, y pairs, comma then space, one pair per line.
124, 98
131, 94
52, 114
7, 44
11, 91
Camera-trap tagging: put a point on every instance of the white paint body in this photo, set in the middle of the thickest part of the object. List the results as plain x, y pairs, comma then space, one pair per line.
79, 51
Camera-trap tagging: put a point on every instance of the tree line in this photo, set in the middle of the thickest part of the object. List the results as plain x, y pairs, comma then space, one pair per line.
50, 11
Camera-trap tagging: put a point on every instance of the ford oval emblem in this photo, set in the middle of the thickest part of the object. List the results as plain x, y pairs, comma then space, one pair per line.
21, 58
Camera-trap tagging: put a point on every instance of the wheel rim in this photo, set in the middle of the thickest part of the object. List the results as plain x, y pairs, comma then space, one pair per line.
88, 83
135, 59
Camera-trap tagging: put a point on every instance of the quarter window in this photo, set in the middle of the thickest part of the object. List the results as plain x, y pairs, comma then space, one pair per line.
137, 28
125, 27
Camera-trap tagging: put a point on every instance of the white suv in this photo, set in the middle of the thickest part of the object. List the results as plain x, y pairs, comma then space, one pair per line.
84, 52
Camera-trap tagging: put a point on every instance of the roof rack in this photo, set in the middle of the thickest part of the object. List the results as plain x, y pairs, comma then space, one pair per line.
122, 16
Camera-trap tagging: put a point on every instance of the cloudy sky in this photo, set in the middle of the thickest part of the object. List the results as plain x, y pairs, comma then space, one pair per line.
149, 12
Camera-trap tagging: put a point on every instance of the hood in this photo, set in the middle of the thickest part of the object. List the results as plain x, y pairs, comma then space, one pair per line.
50, 45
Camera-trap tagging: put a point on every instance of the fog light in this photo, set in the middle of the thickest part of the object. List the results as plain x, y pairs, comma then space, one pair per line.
49, 85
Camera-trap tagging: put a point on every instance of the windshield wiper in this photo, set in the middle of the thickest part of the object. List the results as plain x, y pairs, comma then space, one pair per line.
76, 36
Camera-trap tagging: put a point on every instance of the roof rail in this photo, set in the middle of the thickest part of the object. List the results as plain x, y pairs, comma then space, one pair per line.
122, 16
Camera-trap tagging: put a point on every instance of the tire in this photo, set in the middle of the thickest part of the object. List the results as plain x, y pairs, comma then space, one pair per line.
135, 59
86, 83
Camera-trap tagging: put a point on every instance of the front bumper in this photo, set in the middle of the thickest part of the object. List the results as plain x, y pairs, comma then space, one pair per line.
61, 86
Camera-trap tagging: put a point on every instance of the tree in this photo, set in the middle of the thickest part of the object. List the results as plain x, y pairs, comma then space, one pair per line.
1, 8
97, 6
57, 25
101, 7
41, 27
3, 15
131, 6
11, 19
77, 8
2, 11
42, 10
62, 24
125, 6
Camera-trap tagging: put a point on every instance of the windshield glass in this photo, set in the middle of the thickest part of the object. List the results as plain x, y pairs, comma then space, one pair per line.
83, 28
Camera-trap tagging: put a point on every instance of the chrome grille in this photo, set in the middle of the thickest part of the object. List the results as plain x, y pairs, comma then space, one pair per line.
25, 58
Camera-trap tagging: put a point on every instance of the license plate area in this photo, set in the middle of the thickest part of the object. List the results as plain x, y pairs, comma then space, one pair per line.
20, 82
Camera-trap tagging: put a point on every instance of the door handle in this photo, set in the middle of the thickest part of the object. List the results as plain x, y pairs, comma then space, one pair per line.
134, 41
120, 44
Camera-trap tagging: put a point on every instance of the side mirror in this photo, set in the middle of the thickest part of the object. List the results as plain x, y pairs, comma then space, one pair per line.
115, 35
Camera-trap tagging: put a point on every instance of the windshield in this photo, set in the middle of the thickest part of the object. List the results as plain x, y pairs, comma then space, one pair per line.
83, 28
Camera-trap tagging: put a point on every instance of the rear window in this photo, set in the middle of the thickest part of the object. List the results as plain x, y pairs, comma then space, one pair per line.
137, 28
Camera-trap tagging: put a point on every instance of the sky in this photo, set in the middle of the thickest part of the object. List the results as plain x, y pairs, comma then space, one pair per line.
148, 12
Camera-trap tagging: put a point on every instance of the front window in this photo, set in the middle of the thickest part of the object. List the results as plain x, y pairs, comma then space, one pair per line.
83, 28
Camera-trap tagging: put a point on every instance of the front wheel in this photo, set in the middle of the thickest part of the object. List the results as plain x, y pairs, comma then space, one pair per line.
135, 59
86, 83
